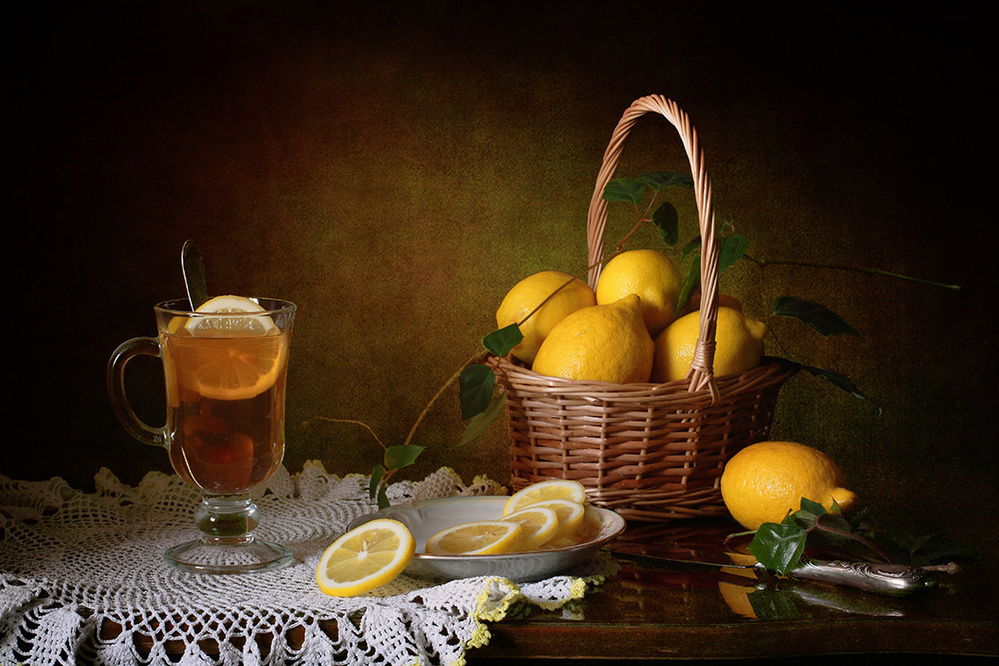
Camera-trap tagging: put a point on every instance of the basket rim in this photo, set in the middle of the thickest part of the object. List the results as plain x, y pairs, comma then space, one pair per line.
770, 369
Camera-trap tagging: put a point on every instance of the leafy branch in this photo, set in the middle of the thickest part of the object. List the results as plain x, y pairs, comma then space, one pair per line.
780, 547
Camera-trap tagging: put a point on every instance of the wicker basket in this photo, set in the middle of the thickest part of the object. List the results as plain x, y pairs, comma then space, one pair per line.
651, 452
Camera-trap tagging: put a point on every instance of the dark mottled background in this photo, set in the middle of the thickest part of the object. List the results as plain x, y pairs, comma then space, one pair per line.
395, 169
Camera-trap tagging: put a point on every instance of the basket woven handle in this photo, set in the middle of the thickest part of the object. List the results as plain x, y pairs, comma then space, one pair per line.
701, 373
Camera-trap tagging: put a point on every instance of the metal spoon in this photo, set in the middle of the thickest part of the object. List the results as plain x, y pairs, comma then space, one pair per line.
194, 274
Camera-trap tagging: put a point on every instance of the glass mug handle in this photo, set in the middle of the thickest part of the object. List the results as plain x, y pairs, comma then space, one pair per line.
125, 352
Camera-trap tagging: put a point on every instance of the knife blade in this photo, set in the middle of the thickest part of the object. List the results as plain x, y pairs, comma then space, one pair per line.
887, 579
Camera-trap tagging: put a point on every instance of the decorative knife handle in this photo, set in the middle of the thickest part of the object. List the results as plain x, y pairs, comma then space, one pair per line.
891, 579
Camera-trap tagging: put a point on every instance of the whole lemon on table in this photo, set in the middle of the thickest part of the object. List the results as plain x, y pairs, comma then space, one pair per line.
738, 345
530, 292
765, 481
650, 274
607, 343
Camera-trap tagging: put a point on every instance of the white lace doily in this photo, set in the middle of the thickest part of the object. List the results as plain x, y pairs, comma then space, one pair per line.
72, 563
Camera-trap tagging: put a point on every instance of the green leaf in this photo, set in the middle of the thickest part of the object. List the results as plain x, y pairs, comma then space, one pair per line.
383, 501
817, 316
730, 250
501, 341
690, 283
778, 547
475, 389
813, 508
377, 474
401, 455
479, 423
839, 380
667, 220
624, 189
693, 246
660, 180
771, 604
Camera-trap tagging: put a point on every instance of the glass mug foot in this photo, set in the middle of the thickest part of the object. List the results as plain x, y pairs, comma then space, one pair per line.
227, 543
202, 556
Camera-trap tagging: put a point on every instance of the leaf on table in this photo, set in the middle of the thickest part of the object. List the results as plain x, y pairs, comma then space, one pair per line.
778, 546
772, 604
817, 316
475, 389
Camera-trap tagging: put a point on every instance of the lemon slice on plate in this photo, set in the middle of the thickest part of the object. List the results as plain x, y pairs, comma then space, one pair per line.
564, 489
483, 537
570, 515
364, 558
538, 525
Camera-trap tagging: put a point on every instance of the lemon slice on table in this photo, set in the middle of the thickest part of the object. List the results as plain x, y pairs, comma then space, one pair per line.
564, 489
483, 537
364, 558
230, 358
538, 525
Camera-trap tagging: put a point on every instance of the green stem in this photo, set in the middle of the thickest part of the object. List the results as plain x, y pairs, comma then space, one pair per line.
763, 263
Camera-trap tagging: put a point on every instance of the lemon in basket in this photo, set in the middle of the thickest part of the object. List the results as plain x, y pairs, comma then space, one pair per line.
765, 481
364, 558
572, 294
652, 276
607, 343
738, 345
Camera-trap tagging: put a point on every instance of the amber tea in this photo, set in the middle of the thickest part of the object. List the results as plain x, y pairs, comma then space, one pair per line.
225, 412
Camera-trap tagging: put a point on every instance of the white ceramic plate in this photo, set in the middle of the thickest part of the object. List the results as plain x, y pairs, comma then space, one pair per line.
427, 518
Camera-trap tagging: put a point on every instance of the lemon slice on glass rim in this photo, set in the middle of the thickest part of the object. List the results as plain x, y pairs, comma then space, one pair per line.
365, 557
252, 325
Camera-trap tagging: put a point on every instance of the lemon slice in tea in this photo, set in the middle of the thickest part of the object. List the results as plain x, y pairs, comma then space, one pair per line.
232, 357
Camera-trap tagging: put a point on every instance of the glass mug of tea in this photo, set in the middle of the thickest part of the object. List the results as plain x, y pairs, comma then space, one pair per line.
225, 368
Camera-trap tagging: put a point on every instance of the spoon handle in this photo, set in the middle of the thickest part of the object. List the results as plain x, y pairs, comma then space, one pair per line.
194, 274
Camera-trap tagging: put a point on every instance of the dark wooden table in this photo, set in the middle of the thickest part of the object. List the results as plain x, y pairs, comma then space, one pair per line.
669, 612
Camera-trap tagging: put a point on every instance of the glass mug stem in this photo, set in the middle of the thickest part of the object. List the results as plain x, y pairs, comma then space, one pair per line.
225, 383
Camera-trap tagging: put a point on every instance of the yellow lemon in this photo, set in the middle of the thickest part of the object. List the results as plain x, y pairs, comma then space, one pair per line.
607, 343
541, 491
738, 345
652, 276
482, 537
365, 557
765, 481
528, 294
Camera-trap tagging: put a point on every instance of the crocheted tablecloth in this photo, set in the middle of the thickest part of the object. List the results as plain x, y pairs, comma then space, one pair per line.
82, 579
